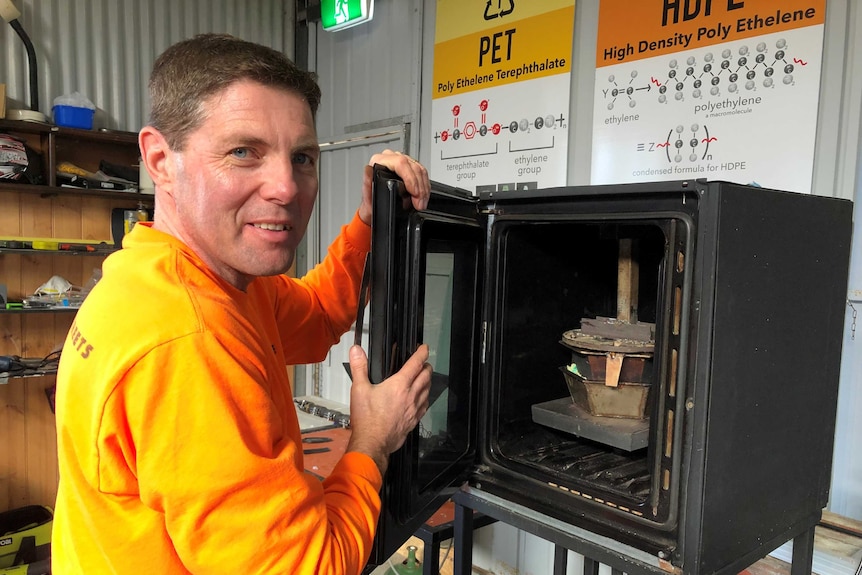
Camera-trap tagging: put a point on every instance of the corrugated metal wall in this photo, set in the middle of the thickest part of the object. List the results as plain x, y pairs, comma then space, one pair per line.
104, 49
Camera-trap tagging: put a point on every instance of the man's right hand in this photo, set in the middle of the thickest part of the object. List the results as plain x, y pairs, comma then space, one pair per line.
383, 415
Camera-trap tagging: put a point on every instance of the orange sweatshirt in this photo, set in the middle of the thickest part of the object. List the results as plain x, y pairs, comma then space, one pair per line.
179, 446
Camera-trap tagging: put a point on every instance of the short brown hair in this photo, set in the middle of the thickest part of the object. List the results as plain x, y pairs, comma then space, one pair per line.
193, 70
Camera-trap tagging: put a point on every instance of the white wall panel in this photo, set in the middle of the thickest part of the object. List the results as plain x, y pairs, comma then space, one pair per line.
105, 48
369, 77
341, 174
370, 73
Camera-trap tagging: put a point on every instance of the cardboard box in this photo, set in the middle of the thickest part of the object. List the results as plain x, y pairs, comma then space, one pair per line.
2, 101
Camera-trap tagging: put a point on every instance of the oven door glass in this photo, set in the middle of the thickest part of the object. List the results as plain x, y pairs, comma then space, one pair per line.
426, 270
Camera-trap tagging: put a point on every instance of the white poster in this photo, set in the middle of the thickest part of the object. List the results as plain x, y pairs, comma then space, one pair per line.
716, 90
501, 94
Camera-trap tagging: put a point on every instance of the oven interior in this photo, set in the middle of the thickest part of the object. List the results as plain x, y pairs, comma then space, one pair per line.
554, 277
496, 300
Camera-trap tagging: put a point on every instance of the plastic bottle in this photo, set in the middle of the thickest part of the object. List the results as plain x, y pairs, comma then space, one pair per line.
410, 566
143, 214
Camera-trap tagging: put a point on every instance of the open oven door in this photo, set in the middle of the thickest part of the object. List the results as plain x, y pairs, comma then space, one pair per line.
426, 274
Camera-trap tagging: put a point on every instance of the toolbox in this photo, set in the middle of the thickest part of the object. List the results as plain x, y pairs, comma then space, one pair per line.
25, 540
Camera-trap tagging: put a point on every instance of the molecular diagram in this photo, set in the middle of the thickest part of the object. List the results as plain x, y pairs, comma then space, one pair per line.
470, 129
743, 71
697, 144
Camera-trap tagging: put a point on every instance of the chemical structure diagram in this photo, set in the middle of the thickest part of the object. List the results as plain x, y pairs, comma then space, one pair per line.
697, 145
471, 129
732, 72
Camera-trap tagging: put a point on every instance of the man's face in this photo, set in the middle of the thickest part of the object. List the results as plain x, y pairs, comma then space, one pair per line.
244, 185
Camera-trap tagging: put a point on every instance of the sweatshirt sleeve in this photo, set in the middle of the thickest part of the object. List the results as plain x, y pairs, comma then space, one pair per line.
210, 453
324, 301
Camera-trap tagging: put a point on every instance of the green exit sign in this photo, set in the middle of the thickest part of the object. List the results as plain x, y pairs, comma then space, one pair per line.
341, 14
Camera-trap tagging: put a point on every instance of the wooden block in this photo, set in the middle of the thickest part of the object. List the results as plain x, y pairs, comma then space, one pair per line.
2, 101
627, 283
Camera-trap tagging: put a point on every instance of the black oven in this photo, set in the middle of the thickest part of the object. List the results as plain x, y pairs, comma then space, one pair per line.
654, 363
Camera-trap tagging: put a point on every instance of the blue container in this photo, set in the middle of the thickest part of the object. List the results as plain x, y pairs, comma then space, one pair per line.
74, 117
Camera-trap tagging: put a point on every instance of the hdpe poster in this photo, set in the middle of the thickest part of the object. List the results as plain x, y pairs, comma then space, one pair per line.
716, 89
500, 95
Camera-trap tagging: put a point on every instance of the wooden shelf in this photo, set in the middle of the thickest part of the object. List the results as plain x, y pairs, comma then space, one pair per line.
49, 211
6, 377
26, 127
97, 252
83, 148
55, 191
26, 368
105, 136
39, 310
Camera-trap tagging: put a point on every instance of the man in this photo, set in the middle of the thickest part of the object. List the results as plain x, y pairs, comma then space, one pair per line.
179, 446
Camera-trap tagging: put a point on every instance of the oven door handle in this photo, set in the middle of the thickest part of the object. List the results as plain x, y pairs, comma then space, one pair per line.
364, 290
361, 304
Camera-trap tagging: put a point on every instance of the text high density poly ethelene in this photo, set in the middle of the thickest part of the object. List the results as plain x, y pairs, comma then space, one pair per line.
719, 31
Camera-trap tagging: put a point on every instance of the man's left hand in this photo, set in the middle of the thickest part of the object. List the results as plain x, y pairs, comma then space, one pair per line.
414, 175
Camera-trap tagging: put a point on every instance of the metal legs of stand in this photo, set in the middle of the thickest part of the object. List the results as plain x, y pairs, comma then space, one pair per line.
431, 558
463, 540
803, 544
561, 557
460, 529
803, 553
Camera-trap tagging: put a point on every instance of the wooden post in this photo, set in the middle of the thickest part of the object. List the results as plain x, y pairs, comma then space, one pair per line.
627, 284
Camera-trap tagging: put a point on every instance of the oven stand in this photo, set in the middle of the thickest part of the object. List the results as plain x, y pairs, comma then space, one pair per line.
803, 553
595, 549
433, 533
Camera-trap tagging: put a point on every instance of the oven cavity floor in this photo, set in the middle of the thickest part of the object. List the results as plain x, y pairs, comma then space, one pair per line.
584, 464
